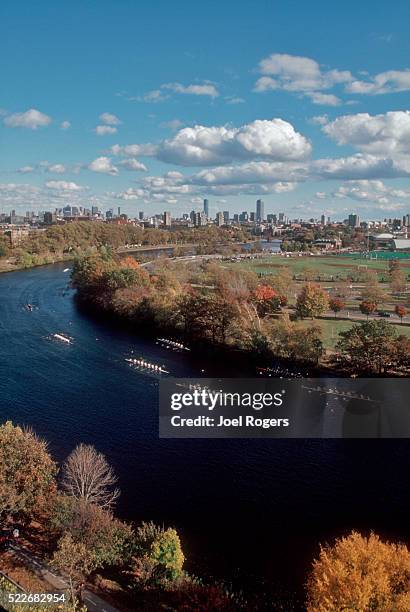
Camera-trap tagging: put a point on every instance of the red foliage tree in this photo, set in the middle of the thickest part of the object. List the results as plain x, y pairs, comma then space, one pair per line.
401, 311
367, 308
336, 304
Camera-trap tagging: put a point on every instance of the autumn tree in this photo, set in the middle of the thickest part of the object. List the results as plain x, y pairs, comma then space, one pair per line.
367, 346
159, 558
367, 308
360, 573
398, 281
295, 342
372, 291
282, 282
336, 304
87, 475
108, 540
76, 562
312, 301
401, 311
266, 300
27, 473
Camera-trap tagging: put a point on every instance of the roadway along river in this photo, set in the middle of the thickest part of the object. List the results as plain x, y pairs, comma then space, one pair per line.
245, 508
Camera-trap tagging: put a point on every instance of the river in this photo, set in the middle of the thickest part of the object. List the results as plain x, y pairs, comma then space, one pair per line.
252, 510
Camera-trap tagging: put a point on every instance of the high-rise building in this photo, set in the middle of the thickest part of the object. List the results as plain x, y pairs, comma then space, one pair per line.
323, 220
200, 219
271, 218
167, 219
244, 217
226, 217
141, 215
252, 217
354, 220
260, 211
206, 208
219, 219
236, 218
281, 217
109, 214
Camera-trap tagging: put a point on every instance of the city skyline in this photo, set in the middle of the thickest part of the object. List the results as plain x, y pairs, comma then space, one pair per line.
110, 108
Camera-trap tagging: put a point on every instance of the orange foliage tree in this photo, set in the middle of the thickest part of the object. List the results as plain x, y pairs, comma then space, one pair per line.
361, 574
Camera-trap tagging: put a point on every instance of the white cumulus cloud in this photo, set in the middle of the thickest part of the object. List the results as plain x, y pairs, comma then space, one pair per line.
103, 165
31, 119
382, 134
102, 130
109, 119
64, 186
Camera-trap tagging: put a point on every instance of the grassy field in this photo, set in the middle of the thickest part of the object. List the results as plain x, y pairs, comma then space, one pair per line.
331, 329
338, 266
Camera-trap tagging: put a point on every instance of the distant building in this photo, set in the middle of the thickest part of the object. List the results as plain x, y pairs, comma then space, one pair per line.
353, 220
141, 215
200, 219
328, 243
206, 208
400, 244
323, 220
260, 211
167, 219
244, 217
226, 217
219, 219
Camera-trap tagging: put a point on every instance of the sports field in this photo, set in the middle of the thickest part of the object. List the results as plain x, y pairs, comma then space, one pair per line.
338, 266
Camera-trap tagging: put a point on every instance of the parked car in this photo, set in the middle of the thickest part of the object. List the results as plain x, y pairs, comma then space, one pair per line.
383, 313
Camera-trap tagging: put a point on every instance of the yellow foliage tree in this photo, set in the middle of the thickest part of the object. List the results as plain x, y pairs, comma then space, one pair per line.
360, 574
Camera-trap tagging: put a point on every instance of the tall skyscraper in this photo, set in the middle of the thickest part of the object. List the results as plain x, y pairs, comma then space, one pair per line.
260, 211
141, 215
323, 220
167, 219
206, 208
226, 217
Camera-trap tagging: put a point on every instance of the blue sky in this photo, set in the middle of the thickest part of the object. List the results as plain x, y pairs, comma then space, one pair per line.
155, 106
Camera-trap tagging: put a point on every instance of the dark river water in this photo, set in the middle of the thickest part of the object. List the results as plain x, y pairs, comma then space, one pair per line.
251, 510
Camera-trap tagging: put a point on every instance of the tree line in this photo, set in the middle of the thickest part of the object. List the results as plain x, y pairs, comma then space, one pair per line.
235, 310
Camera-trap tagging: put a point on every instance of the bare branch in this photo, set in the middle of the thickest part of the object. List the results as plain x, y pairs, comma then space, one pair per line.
86, 474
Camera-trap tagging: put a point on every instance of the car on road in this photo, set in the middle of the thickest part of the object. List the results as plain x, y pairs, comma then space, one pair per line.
383, 313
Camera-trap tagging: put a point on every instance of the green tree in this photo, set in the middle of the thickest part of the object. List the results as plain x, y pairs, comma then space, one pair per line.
367, 347
312, 301
159, 558
27, 474
362, 574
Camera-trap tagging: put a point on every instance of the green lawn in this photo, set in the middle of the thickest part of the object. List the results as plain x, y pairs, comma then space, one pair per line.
338, 266
331, 329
